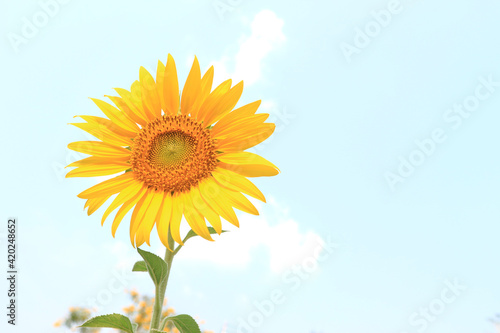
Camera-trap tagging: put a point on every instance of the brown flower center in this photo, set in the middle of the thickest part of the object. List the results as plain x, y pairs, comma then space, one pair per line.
173, 153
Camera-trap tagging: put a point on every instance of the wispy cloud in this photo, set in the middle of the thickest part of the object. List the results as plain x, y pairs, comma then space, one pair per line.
266, 35
274, 229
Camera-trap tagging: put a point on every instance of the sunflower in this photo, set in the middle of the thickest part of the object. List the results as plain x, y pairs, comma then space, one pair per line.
176, 155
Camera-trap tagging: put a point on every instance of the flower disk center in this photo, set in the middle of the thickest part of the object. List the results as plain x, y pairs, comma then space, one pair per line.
173, 153
171, 149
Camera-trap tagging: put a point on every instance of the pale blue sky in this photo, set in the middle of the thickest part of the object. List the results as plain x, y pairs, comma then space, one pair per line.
344, 121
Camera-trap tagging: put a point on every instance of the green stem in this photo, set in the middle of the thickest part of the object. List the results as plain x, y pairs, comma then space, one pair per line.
163, 323
160, 290
177, 249
180, 246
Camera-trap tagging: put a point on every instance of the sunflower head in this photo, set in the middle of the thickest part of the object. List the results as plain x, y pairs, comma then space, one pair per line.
174, 155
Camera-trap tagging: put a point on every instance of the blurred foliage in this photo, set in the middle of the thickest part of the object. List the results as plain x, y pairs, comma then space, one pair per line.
139, 312
75, 317
496, 321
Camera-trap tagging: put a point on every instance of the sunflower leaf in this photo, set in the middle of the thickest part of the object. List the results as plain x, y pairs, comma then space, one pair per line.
140, 266
185, 323
157, 268
114, 320
191, 233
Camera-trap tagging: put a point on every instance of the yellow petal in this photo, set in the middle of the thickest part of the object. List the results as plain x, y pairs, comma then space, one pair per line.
149, 92
213, 195
139, 213
242, 112
246, 132
92, 160
103, 134
134, 104
204, 208
171, 87
163, 219
95, 203
245, 140
242, 126
192, 88
175, 220
160, 77
116, 116
136, 91
140, 238
97, 170
194, 218
236, 182
247, 164
108, 187
224, 105
206, 87
125, 209
98, 148
207, 80
239, 201
103, 122
212, 101
125, 195
144, 230
126, 106
87, 202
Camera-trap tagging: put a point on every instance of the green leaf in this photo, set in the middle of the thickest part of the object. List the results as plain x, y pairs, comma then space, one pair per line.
114, 320
156, 266
140, 266
185, 323
191, 233
134, 326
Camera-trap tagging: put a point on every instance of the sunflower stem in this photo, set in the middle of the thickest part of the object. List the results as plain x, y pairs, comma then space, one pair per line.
179, 247
163, 324
162, 287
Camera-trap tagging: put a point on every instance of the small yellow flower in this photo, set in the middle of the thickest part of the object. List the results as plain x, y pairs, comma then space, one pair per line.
129, 309
58, 323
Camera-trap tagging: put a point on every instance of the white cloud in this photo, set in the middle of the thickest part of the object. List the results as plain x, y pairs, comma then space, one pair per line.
268, 106
266, 35
286, 244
